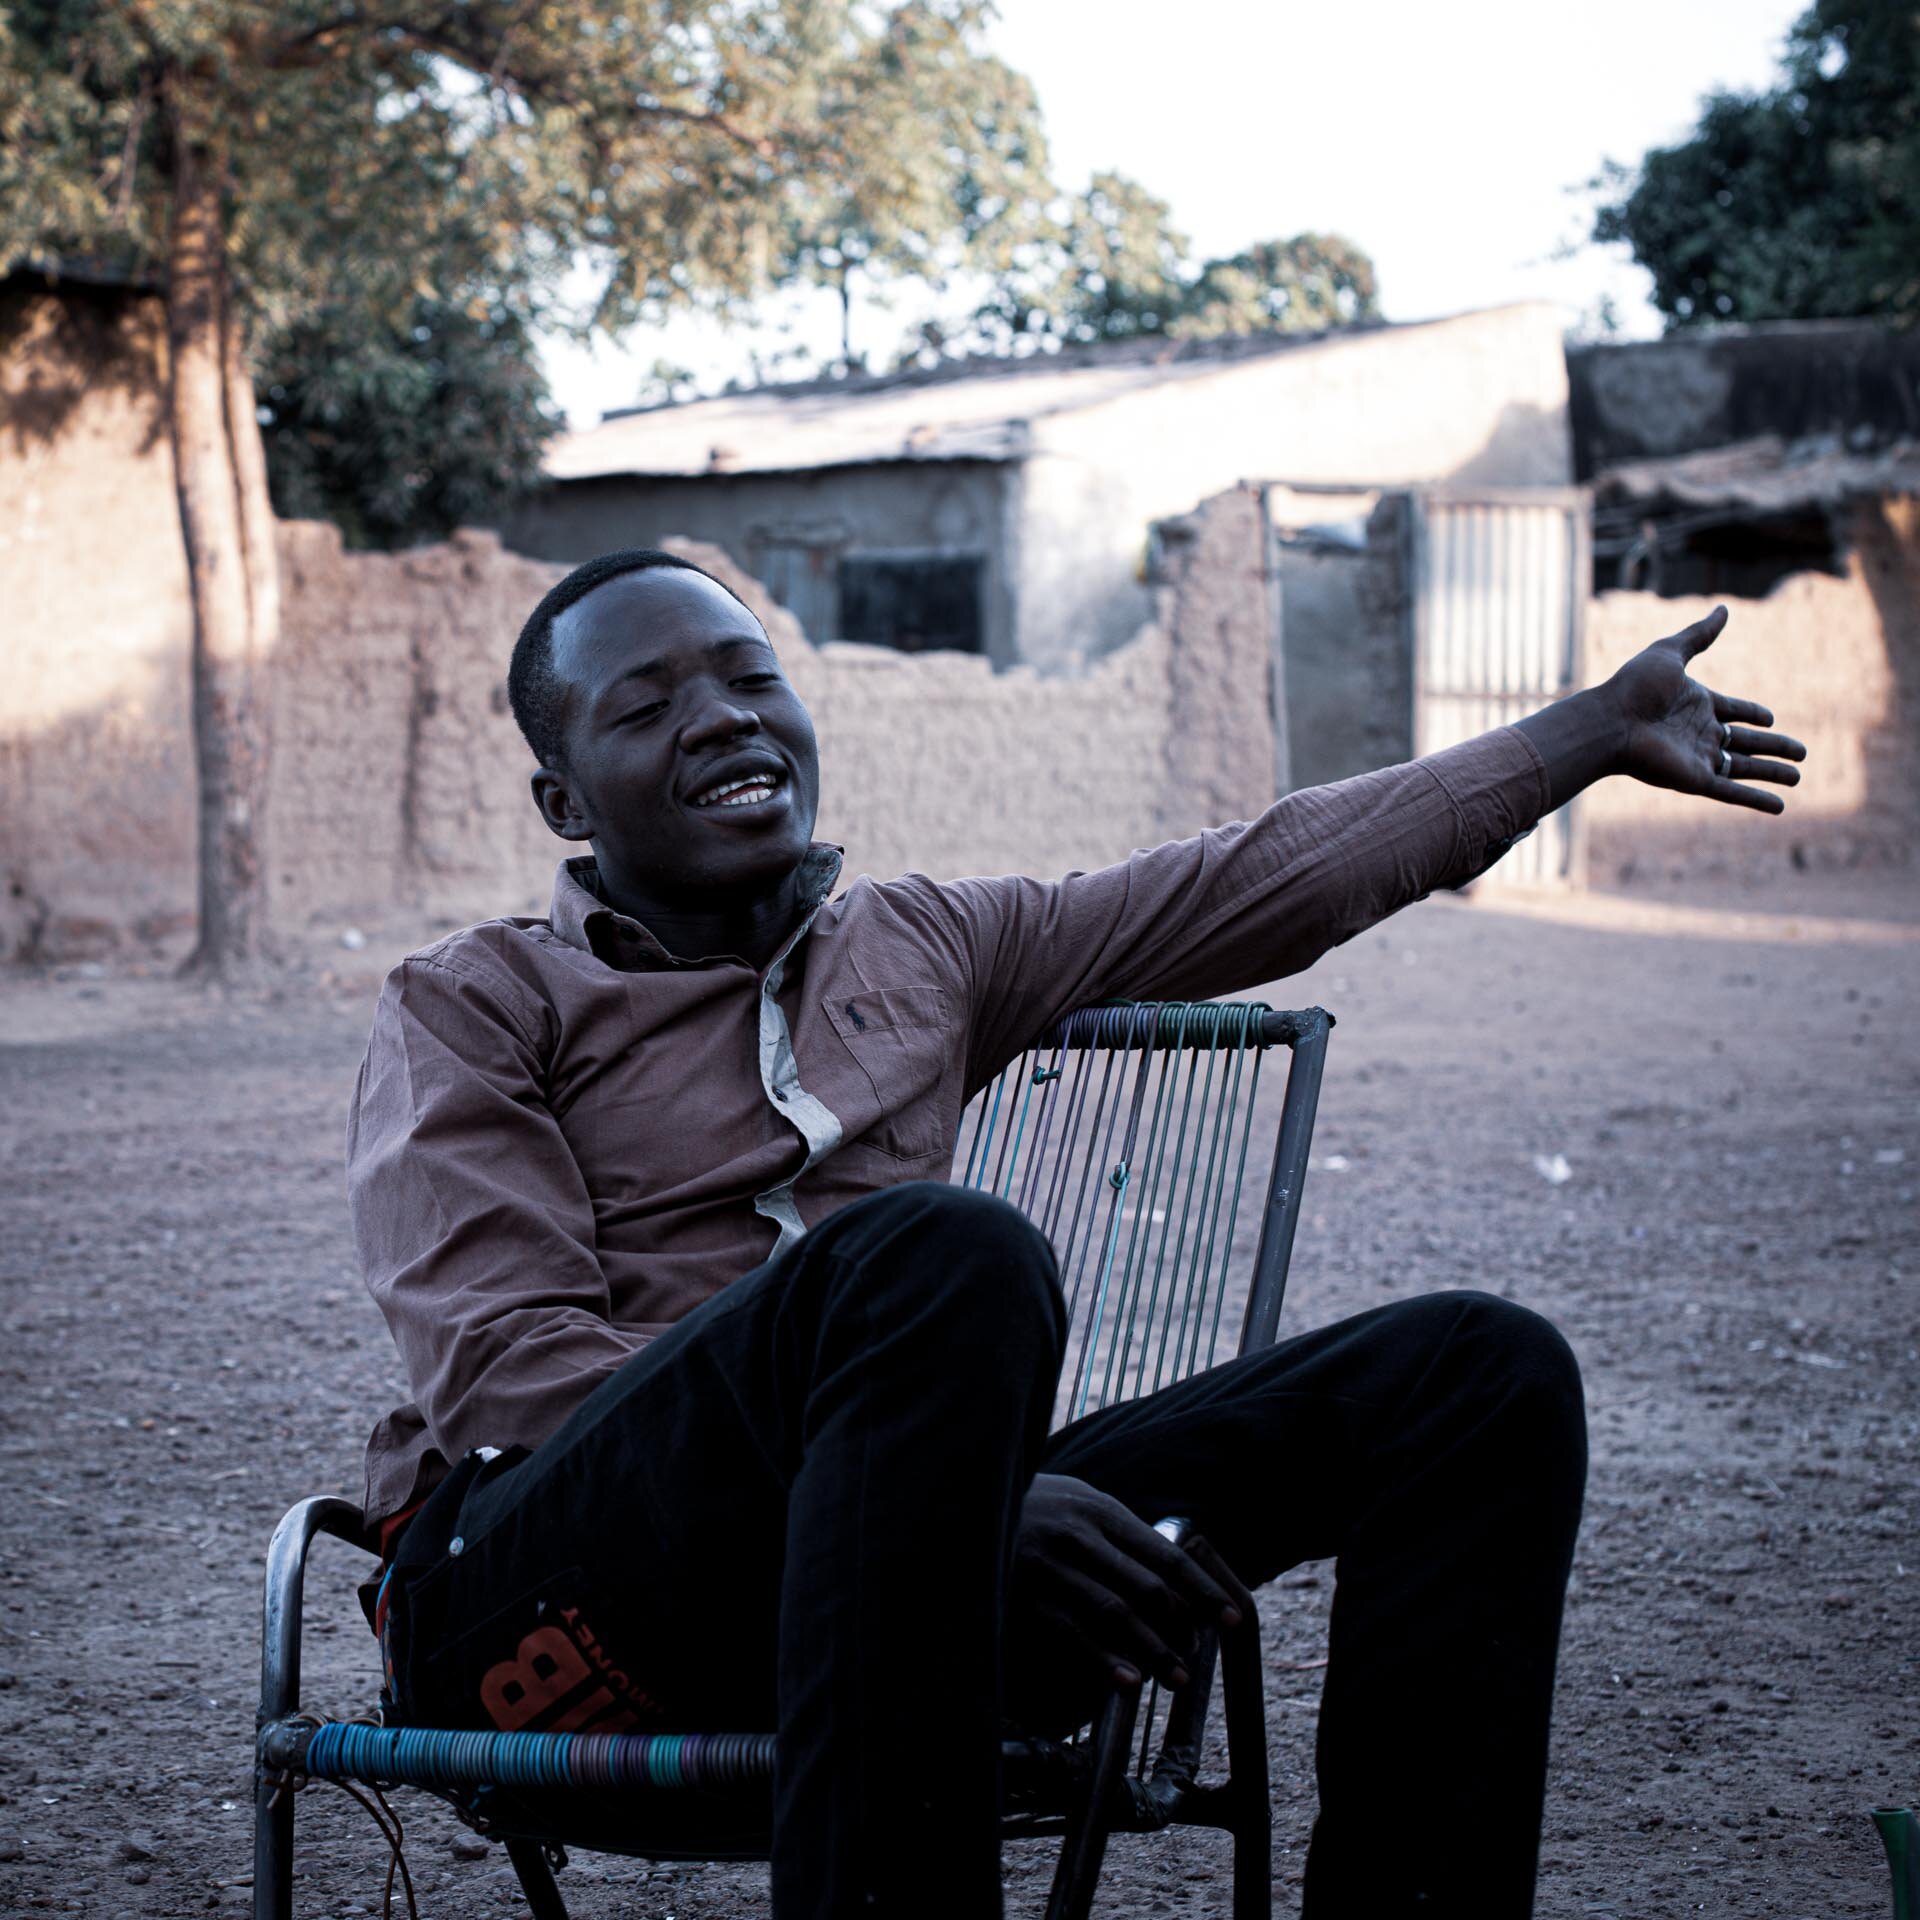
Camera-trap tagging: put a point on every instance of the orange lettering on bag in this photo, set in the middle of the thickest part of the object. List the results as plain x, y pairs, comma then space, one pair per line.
541, 1674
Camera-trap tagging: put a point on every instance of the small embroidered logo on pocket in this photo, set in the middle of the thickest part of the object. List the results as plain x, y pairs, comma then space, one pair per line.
853, 1014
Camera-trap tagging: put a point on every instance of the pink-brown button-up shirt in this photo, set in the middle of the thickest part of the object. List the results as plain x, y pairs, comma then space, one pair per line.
564, 1138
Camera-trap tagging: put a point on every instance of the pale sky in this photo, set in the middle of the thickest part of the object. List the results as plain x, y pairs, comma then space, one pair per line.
1443, 138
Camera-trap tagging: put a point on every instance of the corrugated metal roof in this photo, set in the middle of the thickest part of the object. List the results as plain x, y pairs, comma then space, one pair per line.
1765, 476
970, 410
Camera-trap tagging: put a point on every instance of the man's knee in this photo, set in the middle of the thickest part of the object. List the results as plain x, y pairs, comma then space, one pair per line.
926, 1243
1532, 1344
1527, 1370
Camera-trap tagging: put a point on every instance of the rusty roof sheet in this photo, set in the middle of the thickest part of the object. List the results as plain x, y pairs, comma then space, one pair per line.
1764, 476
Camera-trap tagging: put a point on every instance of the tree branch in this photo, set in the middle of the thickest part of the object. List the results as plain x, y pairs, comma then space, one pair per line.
492, 64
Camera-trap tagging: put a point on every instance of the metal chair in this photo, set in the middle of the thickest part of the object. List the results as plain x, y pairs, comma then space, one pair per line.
1124, 1133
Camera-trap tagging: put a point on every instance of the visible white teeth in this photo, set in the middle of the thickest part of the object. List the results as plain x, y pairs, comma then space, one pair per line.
749, 792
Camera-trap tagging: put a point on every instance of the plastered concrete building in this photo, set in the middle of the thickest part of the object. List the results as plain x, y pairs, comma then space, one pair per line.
1001, 507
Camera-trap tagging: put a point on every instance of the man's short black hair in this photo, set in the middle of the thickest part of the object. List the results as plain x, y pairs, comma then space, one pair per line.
533, 688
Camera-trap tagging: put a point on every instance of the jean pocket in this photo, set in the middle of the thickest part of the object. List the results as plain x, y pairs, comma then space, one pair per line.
533, 1662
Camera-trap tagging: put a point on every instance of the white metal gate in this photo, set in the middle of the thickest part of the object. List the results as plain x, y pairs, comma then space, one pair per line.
1499, 592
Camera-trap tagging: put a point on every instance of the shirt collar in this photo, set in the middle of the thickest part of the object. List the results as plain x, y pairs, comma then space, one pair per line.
583, 919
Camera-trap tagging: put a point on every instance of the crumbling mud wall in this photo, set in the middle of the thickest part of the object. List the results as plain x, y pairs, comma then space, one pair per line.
1838, 661
96, 759
400, 780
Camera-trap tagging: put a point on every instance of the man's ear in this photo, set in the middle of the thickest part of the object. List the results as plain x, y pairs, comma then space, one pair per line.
553, 795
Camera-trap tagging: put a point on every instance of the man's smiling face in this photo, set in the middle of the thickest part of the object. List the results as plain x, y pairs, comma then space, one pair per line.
691, 763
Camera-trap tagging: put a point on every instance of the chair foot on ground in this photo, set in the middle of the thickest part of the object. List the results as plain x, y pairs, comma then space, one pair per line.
530, 1862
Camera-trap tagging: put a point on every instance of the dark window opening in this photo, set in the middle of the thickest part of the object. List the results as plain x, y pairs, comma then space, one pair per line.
1698, 552
919, 603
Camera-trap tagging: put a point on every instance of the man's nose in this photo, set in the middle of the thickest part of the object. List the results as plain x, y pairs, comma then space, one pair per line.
716, 719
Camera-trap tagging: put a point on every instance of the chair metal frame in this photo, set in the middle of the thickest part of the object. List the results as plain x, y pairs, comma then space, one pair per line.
526, 1789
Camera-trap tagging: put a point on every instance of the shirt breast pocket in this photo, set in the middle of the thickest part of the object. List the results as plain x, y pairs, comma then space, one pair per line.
902, 1038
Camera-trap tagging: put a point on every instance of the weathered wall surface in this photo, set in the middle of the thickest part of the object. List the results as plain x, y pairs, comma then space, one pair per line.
1838, 661
1216, 605
400, 780
96, 788
1481, 400
935, 506
1708, 387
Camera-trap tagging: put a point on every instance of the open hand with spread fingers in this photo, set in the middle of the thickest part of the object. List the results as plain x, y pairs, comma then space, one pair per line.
1653, 721
1683, 735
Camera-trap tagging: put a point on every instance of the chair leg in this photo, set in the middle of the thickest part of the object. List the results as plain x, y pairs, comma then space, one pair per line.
1243, 1687
285, 1584
1253, 1867
272, 1849
1085, 1845
530, 1862
279, 1696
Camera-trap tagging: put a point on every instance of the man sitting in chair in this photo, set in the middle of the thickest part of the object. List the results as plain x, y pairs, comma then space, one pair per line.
652, 1193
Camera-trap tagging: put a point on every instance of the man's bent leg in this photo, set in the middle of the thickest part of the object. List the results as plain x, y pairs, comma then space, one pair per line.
932, 1387
1438, 1449
796, 1508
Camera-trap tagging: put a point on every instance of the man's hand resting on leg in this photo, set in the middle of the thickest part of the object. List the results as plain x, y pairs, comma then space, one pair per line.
1098, 1575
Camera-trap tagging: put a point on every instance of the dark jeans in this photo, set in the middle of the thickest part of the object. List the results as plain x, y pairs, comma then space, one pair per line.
797, 1509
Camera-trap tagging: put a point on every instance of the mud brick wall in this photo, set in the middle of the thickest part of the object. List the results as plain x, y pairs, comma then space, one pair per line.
400, 779
96, 759
1838, 660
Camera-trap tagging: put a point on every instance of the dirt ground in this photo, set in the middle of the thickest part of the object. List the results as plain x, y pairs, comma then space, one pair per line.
1731, 1088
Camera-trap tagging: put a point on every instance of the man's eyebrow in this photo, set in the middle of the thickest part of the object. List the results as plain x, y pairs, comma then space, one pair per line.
650, 669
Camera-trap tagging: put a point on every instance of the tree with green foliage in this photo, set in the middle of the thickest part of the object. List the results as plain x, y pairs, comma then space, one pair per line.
1312, 281
1121, 266
939, 165
1104, 265
400, 433
1798, 203
1111, 265
277, 165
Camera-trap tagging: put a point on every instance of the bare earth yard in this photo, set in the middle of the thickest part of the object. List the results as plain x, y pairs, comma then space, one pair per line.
1734, 1086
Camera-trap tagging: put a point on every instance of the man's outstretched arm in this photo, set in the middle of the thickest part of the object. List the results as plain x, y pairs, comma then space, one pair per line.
1251, 902
1098, 1573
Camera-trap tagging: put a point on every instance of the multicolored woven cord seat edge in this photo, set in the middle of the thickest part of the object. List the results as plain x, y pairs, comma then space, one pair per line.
427, 1757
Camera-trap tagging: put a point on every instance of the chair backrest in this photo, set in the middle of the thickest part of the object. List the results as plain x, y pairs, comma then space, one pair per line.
1126, 1134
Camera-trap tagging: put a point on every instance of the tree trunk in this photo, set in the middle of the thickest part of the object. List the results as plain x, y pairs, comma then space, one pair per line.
227, 526
257, 524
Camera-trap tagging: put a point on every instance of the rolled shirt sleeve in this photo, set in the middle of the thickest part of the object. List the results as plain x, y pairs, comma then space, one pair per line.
473, 1223
1237, 905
